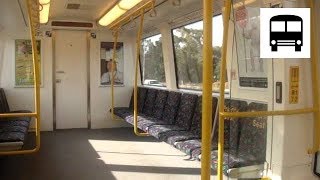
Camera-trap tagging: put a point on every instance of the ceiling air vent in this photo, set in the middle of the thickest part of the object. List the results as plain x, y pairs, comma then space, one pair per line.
73, 6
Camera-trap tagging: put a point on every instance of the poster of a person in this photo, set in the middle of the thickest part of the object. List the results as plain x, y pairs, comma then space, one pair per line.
106, 63
106, 77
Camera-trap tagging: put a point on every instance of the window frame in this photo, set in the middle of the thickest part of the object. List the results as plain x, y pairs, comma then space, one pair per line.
140, 64
175, 58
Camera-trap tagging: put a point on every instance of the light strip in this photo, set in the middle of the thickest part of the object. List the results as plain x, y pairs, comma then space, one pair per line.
44, 11
122, 7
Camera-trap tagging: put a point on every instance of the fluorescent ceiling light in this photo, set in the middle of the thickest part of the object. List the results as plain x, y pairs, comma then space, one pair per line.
44, 1
128, 4
44, 13
118, 10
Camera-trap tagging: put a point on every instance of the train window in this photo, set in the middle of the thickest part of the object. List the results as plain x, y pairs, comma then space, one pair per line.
151, 61
188, 54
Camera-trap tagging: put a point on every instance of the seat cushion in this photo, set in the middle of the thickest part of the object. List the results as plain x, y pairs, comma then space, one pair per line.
157, 130
171, 107
12, 128
149, 102
12, 136
159, 104
253, 136
146, 123
122, 112
186, 110
171, 137
188, 146
193, 147
18, 121
229, 161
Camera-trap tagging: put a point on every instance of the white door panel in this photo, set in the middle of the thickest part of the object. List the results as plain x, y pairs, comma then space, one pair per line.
71, 79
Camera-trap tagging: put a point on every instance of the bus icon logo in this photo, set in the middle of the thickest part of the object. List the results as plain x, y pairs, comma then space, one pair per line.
286, 30
284, 33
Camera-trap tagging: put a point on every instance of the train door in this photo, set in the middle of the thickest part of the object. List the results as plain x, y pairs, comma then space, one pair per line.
71, 79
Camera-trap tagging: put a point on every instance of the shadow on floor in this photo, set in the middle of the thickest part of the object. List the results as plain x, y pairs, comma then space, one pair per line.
67, 154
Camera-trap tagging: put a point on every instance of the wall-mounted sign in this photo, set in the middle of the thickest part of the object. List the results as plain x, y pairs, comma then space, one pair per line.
24, 73
294, 85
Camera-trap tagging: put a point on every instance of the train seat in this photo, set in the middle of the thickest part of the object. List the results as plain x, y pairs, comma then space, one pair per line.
182, 120
13, 131
172, 137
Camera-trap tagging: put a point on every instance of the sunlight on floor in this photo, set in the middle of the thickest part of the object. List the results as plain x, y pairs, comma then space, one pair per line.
145, 160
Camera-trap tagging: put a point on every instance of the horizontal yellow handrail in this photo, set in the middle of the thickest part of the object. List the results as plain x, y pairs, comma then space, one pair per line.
268, 113
17, 115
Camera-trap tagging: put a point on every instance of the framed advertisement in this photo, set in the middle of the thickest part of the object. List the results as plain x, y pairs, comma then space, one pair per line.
23, 66
106, 52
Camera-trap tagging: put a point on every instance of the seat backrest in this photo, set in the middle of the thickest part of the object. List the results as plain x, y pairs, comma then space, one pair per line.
171, 107
4, 106
197, 116
253, 136
186, 110
149, 102
142, 93
231, 125
159, 104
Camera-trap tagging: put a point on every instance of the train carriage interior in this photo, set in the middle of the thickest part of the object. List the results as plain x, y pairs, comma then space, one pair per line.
159, 89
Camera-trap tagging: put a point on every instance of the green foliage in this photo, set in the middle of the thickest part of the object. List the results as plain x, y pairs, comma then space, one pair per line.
188, 53
152, 60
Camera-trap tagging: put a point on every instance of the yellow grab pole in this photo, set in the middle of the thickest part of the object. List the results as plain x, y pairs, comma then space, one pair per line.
315, 80
223, 67
35, 75
36, 88
115, 41
135, 89
207, 91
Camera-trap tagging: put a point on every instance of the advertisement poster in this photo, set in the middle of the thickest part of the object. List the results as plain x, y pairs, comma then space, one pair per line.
24, 73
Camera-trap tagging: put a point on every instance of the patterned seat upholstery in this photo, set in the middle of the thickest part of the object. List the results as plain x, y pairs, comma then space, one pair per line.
193, 147
172, 137
12, 129
182, 120
251, 146
126, 113
149, 102
253, 137
169, 111
122, 112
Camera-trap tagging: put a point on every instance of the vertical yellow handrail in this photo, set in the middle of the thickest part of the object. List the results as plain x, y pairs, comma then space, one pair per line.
114, 53
36, 75
207, 91
315, 80
35, 59
135, 89
223, 67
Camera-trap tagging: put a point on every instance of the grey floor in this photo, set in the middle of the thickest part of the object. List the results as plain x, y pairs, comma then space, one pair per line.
99, 154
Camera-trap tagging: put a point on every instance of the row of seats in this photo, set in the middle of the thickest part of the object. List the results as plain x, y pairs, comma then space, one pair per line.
175, 118
13, 131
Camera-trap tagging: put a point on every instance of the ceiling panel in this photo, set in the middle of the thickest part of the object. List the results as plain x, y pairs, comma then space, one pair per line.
89, 10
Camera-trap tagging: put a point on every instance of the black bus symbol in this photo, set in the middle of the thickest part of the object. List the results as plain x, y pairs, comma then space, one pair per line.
286, 30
